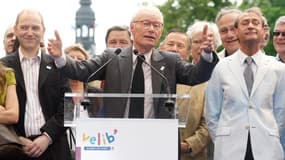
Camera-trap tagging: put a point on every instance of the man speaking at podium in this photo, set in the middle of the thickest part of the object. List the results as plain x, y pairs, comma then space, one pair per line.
155, 72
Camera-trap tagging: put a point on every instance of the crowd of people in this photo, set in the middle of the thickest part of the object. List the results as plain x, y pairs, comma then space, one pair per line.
237, 106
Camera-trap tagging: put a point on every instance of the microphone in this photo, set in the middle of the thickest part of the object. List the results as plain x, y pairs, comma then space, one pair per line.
86, 101
169, 103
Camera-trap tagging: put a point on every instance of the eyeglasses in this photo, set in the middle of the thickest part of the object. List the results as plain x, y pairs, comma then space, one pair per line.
146, 24
196, 42
278, 33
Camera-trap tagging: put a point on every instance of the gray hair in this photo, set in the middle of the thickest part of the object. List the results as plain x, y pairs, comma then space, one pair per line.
256, 11
280, 20
226, 11
9, 27
147, 9
198, 26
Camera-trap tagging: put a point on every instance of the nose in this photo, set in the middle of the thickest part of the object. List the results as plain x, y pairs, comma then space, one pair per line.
231, 33
151, 27
14, 37
251, 24
30, 31
281, 36
174, 48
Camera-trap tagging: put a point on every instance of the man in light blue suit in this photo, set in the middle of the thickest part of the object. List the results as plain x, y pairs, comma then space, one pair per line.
278, 42
245, 121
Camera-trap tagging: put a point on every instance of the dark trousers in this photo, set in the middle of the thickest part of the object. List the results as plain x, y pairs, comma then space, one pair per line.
248, 154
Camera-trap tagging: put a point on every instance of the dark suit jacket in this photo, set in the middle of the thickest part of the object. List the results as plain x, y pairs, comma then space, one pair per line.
52, 87
118, 73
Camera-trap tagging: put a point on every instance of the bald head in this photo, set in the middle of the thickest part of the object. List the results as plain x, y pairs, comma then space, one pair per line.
30, 11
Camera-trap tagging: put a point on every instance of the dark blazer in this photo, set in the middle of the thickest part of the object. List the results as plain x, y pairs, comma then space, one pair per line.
118, 74
52, 87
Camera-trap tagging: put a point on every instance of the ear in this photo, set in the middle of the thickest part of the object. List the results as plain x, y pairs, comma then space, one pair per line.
132, 26
14, 28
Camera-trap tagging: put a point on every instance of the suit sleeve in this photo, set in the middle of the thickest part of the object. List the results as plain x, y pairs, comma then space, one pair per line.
81, 70
279, 105
200, 139
190, 74
214, 98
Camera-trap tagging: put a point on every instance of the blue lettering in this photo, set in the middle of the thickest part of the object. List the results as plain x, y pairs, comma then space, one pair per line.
110, 138
92, 140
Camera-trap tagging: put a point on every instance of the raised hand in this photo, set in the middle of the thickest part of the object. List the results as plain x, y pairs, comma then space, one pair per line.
207, 40
55, 46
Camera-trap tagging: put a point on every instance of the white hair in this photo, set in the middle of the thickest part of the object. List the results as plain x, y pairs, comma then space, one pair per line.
280, 20
198, 27
147, 9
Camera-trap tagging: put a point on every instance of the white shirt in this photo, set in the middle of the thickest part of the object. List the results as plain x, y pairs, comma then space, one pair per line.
34, 118
256, 60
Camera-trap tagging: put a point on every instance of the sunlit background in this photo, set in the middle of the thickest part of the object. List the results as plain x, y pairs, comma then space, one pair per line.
60, 15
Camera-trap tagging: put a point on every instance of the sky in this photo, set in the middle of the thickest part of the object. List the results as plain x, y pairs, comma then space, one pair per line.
60, 15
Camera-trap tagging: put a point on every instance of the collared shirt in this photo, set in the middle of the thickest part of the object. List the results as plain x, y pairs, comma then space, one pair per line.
278, 58
256, 60
148, 101
34, 118
222, 54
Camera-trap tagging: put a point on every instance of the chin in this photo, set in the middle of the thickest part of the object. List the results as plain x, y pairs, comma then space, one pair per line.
149, 45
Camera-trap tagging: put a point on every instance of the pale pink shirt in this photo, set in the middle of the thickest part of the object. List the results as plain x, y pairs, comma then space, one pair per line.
148, 101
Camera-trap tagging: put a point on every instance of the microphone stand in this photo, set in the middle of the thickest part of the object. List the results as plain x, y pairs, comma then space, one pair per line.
86, 101
169, 103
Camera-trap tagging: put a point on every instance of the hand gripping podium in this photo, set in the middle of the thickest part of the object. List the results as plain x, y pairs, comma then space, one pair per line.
104, 131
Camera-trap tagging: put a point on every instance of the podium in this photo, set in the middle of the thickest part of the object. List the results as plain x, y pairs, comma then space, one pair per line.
104, 131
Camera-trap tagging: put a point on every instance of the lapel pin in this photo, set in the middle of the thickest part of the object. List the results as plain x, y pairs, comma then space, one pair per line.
48, 67
162, 68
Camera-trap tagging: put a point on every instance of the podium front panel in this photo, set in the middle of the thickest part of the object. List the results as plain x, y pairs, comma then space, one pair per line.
127, 139
104, 131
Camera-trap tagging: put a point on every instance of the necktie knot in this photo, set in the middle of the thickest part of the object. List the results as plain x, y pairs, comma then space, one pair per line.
140, 59
248, 60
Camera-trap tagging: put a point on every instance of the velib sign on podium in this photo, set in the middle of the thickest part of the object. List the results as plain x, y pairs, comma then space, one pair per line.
104, 131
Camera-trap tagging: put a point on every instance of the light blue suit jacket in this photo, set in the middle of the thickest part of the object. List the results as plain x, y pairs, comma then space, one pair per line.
231, 113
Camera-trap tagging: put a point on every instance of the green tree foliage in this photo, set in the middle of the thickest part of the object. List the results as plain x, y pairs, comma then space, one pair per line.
182, 13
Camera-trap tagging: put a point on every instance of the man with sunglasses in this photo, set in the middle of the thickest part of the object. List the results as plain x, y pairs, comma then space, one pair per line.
279, 38
279, 45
